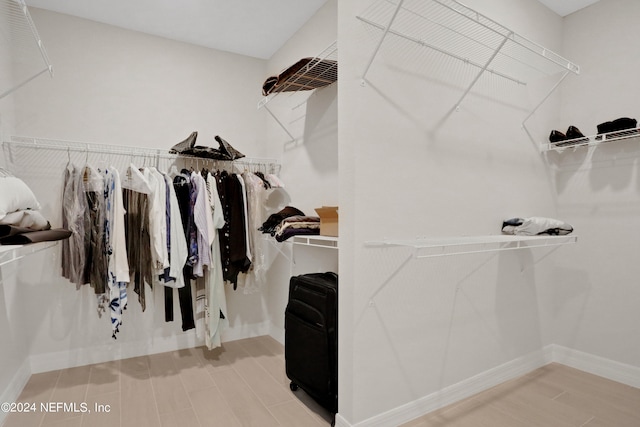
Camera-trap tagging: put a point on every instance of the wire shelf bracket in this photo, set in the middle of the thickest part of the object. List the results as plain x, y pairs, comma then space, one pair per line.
449, 246
320, 71
19, 37
13, 253
458, 31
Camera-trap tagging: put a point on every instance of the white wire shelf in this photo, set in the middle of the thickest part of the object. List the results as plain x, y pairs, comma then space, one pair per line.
454, 29
320, 71
316, 241
446, 246
21, 41
12, 253
586, 141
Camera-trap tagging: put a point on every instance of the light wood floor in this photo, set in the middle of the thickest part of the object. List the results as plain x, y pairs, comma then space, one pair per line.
552, 396
244, 384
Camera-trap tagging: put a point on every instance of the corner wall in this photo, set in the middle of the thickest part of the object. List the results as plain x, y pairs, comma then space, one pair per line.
418, 326
309, 162
595, 311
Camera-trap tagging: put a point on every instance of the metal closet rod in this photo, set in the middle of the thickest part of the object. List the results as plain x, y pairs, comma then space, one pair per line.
157, 153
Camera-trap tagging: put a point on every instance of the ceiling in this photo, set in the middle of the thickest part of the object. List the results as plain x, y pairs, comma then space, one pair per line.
256, 28
566, 7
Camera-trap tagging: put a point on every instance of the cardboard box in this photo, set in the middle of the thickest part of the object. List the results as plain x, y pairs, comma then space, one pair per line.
328, 220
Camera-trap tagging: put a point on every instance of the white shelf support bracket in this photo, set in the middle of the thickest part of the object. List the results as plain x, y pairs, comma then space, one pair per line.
277, 247
390, 277
24, 35
555, 86
18, 252
456, 106
533, 264
266, 107
384, 35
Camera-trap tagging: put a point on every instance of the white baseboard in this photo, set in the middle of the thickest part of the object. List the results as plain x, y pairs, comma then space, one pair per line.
341, 422
606, 368
277, 333
453, 393
586, 362
112, 351
245, 331
124, 350
15, 386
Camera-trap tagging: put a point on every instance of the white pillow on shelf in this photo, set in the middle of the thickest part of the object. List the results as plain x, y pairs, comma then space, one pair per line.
15, 195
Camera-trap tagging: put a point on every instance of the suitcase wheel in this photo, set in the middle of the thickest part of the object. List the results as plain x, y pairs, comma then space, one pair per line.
293, 386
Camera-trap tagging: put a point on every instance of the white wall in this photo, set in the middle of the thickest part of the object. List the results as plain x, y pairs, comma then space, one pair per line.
310, 162
6, 80
596, 308
436, 322
121, 87
15, 350
126, 88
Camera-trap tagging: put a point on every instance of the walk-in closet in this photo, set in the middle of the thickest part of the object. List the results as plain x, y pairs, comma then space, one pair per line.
470, 171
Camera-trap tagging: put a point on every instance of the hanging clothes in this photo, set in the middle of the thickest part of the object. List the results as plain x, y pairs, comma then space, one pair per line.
157, 219
182, 187
116, 245
216, 302
202, 220
176, 242
204, 224
74, 206
137, 232
245, 215
256, 200
148, 229
95, 268
177, 246
232, 239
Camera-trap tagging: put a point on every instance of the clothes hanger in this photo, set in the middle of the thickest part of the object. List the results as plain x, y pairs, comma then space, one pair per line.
68, 157
134, 180
173, 170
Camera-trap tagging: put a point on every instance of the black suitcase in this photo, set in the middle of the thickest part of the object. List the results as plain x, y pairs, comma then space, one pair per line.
311, 337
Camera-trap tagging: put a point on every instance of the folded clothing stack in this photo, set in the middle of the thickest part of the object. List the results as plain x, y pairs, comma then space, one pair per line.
20, 219
536, 225
297, 225
290, 222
